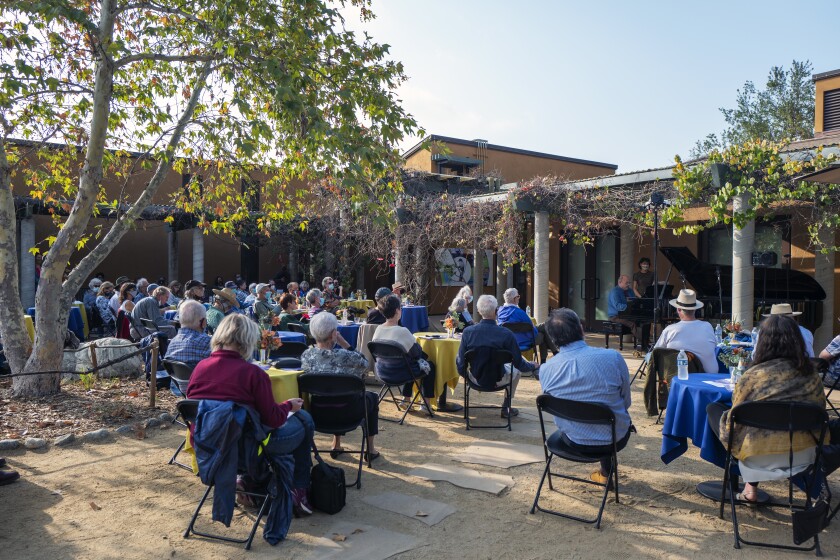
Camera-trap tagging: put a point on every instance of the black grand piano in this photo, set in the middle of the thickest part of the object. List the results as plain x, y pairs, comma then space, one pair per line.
772, 285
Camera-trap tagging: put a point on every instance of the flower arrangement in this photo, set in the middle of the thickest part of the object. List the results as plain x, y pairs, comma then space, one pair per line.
268, 341
733, 327
269, 320
450, 323
734, 355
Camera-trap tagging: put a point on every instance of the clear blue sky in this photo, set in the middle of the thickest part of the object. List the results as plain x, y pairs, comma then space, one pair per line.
626, 82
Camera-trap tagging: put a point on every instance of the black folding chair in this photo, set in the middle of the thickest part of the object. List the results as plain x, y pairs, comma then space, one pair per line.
289, 349
584, 413
298, 328
495, 371
189, 411
663, 368
149, 325
392, 351
525, 328
822, 367
777, 416
287, 362
337, 404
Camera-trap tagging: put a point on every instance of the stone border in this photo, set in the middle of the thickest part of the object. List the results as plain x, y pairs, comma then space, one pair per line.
102, 435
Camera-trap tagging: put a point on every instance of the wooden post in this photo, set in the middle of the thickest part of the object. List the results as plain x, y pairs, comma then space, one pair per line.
153, 376
93, 361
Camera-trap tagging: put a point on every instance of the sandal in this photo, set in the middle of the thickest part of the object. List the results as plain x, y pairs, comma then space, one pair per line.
741, 497
334, 453
370, 458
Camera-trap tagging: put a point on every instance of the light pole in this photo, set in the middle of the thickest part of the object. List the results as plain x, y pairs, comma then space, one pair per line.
656, 204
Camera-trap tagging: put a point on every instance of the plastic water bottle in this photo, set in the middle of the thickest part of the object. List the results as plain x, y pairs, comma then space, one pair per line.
528, 311
754, 335
718, 334
682, 366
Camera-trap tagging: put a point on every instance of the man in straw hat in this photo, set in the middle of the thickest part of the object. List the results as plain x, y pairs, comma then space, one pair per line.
786, 309
224, 303
691, 335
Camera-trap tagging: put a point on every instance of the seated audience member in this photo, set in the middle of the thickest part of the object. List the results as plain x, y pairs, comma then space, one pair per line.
194, 290
114, 302
89, 298
293, 288
175, 293
252, 294
486, 334
190, 345
227, 375
831, 355
459, 306
617, 302
391, 331
375, 316
466, 293
219, 283
690, 334
325, 358
262, 307
583, 373
103, 307
510, 312
142, 287
315, 301
224, 304
781, 371
127, 293
288, 305
331, 293
786, 310
149, 308
304, 288
398, 289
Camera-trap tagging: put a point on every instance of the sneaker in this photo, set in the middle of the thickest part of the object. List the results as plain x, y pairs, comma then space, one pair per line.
512, 412
300, 502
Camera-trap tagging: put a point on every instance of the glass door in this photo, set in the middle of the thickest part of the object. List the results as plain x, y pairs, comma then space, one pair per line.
589, 273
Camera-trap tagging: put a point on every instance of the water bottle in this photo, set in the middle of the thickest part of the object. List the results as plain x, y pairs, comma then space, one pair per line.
754, 335
528, 311
718, 334
682, 366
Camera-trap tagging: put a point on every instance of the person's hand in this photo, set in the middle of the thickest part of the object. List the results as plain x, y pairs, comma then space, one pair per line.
341, 342
297, 404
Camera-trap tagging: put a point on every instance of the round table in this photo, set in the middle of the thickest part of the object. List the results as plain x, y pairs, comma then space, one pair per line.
284, 383
74, 321
415, 318
359, 303
30, 327
442, 351
350, 332
81, 307
289, 336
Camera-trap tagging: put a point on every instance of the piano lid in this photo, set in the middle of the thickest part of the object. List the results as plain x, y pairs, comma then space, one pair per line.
703, 278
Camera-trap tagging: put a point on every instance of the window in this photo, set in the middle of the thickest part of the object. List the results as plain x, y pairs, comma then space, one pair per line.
772, 236
831, 110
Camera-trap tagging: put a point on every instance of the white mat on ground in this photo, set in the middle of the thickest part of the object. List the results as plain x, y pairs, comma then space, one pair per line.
426, 511
501, 454
532, 429
463, 477
355, 541
530, 413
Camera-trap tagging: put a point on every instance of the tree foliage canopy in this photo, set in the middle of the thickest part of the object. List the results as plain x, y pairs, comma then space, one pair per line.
783, 110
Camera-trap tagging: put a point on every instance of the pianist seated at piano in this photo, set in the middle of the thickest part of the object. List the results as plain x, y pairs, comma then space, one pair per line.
617, 302
690, 334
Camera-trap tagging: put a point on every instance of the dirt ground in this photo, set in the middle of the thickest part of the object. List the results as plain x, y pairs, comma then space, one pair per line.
121, 500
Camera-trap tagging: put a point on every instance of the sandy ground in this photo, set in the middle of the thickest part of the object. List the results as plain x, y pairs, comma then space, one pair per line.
121, 500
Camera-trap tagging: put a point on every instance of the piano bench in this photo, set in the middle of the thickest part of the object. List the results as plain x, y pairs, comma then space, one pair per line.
610, 328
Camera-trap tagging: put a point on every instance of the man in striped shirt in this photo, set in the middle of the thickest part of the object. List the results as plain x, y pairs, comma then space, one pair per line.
586, 374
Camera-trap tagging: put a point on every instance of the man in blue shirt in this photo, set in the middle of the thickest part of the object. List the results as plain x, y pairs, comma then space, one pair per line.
510, 312
582, 373
190, 345
487, 335
617, 302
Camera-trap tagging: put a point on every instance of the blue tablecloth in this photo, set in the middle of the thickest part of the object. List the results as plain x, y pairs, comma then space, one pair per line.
415, 318
170, 315
686, 418
288, 336
350, 333
721, 348
74, 321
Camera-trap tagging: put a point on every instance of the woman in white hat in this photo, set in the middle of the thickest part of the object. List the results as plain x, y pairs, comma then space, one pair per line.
691, 335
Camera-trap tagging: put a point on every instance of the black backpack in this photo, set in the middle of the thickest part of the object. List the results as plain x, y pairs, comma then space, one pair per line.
329, 492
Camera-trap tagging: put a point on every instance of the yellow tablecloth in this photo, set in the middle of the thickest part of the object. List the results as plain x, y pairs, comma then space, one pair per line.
81, 307
284, 383
30, 327
358, 303
441, 351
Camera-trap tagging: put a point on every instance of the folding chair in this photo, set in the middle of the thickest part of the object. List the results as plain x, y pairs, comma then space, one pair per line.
777, 416
525, 328
287, 362
822, 367
298, 328
180, 374
663, 368
149, 325
189, 411
391, 351
495, 371
584, 413
337, 404
289, 349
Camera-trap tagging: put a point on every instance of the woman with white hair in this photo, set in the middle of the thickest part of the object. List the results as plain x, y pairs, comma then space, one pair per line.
325, 358
459, 307
227, 375
315, 301
466, 294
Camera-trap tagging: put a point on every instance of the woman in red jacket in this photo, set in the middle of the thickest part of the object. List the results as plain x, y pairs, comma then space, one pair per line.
227, 375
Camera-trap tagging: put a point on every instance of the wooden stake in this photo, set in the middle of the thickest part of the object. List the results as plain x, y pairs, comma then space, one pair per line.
153, 376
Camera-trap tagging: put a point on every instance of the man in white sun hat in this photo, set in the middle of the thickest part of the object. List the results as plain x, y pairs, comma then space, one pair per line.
786, 309
691, 335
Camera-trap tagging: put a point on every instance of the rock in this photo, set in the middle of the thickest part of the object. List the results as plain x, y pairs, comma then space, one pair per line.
97, 436
166, 417
34, 443
108, 349
125, 430
66, 439
8, 444
151, 423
